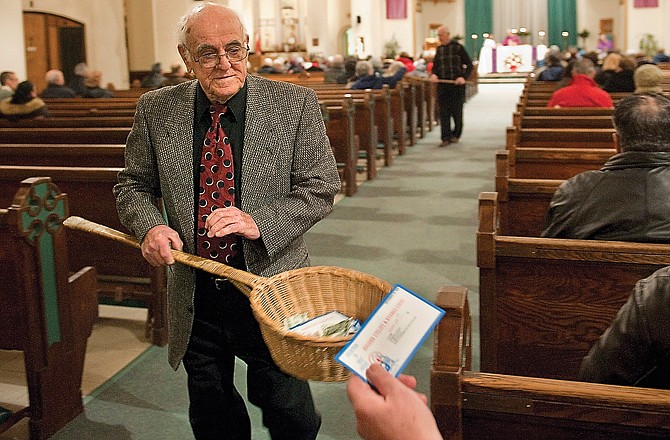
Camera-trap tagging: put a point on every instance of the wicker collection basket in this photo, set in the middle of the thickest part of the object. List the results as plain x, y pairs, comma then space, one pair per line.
313, 290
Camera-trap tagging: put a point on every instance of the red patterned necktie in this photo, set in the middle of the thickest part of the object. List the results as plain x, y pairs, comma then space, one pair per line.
217, 188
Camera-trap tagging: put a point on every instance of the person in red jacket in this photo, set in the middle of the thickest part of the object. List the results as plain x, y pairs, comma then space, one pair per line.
582, 90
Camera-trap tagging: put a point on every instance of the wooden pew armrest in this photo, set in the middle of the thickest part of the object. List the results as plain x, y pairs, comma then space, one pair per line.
83, 285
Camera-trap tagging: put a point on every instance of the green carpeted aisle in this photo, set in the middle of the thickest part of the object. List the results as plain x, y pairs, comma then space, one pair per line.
414, 225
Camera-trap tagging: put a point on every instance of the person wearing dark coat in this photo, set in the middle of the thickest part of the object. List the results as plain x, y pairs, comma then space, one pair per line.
635, 349
56, 87
628, 199
93, 89
451, 68
155, 79
77, 82
368, 80
554, 70
622, 80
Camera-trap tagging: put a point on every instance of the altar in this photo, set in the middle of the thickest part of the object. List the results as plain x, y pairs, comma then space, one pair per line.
510, 59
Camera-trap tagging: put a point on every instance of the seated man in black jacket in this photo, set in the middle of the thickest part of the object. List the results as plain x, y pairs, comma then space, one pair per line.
635, 349
628, 199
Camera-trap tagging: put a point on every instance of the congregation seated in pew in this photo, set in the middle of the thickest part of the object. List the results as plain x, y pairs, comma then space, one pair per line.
56, 87
24, 104
622, 78
582, 90
92, 84
367, 79
629, 198
648, 79
473, 405
635, 349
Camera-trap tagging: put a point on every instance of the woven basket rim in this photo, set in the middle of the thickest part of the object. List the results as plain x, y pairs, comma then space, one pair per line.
279, 329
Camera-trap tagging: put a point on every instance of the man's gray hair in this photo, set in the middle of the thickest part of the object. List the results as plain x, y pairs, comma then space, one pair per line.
184, 24
642, 122
53, 76
584, 66
364, 68
80, 69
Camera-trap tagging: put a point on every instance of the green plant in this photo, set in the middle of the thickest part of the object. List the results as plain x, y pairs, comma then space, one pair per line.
391, 47
648, 44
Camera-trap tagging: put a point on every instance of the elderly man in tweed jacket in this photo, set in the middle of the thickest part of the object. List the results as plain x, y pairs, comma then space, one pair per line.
285, 181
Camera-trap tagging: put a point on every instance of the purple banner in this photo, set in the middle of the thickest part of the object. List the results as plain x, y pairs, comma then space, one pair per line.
645, 4
396, 8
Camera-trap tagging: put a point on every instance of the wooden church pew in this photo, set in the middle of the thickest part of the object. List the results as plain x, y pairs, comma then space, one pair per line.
122, 271
470, 405
545, 301
45, 313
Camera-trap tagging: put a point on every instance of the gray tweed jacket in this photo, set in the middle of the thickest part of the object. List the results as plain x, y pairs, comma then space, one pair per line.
288, 182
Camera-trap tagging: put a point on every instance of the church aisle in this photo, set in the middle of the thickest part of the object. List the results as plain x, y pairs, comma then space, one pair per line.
414, 225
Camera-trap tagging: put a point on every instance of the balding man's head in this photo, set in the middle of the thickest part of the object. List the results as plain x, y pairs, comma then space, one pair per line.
584, 66
443, 35
642, 122
55, 77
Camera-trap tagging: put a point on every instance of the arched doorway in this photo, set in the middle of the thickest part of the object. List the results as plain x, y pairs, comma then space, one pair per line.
52, 42
347, 45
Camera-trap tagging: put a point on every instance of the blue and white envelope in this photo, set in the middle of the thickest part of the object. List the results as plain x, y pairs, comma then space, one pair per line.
392, 334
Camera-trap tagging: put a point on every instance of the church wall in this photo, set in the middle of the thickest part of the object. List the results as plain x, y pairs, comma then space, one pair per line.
268, 24
451, 15
317, 29
167, 14
151, 34
403, 29
589, 14
105, 35
376, 30
364, 32
648, 21
12, 52
339, 19
142, 34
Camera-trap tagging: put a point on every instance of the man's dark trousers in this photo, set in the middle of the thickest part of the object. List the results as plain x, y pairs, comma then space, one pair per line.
451, 98
224, 327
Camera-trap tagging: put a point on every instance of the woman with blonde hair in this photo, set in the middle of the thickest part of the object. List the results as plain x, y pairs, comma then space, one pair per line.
609, 68
622, 80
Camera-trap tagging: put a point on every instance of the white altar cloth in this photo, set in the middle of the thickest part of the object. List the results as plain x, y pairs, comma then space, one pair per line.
493, 59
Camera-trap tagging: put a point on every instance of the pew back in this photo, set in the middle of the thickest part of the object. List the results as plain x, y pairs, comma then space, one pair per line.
472, 405
44, 313
544, 301
122, 271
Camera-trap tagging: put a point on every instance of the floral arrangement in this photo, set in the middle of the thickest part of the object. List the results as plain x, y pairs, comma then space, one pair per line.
513, 61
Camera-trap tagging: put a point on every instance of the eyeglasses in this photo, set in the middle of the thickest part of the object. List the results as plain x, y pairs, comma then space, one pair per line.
235, 54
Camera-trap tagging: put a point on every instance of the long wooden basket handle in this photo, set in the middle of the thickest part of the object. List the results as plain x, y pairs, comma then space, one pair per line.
210, 266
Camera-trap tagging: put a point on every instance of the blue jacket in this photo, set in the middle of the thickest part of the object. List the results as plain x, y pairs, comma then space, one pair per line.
377, 82
551, 73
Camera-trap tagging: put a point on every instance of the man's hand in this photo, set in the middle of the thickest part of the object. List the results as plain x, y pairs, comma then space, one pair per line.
394, 411
158, 244
460, 81
226, 221
433, 78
